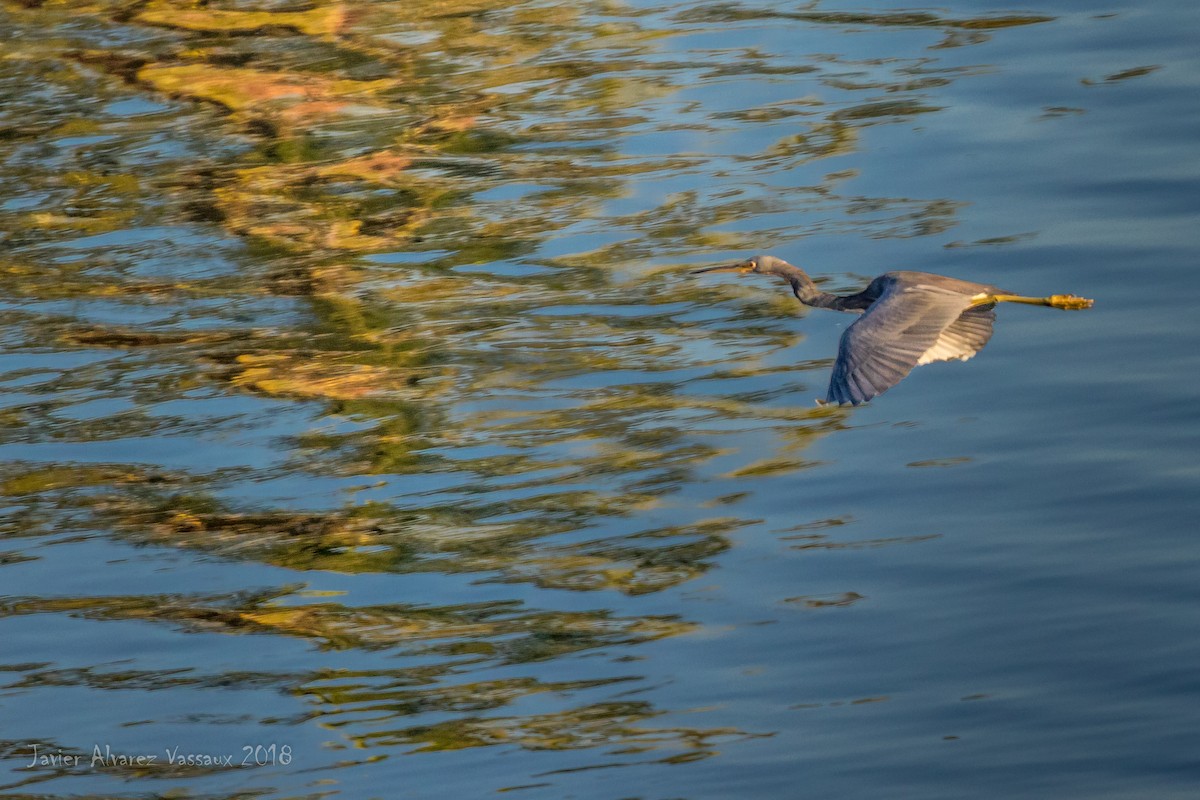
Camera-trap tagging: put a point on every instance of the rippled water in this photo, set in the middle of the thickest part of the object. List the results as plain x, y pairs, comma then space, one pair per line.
364, 435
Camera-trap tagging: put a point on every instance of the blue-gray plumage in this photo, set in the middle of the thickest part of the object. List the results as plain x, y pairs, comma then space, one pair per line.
908, 319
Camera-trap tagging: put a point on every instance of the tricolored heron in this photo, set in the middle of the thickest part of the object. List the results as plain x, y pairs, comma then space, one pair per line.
911, 318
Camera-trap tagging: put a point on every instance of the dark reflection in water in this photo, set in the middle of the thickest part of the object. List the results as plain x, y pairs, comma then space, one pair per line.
353, 401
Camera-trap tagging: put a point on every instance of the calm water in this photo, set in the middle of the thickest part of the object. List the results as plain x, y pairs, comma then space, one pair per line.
363, 435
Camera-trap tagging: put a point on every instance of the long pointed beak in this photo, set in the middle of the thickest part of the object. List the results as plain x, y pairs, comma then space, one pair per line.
741, 266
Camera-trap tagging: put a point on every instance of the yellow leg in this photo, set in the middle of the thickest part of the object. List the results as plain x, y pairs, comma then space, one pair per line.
1063, 301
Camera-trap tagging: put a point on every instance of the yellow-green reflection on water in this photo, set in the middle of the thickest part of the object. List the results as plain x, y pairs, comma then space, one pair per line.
355, 395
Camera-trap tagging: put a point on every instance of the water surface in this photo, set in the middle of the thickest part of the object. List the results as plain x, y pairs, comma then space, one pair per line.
363, 426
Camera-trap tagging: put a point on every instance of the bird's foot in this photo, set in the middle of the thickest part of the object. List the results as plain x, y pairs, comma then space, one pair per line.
1069, 302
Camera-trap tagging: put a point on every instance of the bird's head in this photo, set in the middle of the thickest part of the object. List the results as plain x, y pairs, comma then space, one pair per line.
758, 265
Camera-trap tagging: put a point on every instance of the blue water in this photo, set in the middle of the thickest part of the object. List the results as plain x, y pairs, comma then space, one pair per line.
507, 500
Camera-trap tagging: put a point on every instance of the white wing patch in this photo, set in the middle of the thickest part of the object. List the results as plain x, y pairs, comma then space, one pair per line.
962, 338
944, 351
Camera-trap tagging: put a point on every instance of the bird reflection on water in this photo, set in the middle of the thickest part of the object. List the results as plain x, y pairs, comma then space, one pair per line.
908, 319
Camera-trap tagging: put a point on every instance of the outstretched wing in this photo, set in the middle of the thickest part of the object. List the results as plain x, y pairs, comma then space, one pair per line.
964, 337
913, 322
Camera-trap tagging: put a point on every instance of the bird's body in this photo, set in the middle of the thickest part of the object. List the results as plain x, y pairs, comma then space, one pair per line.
908, 319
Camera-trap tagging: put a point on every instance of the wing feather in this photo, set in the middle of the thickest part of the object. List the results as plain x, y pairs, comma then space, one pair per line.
964, 337
913, 322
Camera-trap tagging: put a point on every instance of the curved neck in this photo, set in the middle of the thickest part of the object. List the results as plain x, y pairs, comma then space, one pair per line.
806, 291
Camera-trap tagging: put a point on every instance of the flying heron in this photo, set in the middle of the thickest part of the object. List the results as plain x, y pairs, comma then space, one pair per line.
911, 318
